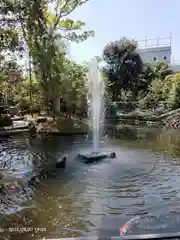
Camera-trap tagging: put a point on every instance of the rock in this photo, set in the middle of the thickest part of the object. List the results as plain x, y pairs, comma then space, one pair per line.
13, 111
32, 128
112, 155
18, 118
20, 124
2, 189
34, 180
41, 120
61, 163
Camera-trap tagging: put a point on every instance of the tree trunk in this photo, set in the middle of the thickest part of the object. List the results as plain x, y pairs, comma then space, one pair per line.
56, 105
31, 85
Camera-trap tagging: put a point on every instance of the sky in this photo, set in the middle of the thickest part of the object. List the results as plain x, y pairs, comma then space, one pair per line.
134, 19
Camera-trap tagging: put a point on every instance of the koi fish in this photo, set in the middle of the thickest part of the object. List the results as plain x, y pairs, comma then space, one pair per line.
125, 227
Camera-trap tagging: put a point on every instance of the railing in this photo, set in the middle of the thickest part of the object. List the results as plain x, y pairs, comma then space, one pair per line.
154, 42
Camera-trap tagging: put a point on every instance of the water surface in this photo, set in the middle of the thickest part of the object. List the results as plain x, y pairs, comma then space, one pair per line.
96, 199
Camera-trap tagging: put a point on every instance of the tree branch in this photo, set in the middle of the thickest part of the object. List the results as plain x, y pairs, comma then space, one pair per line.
60, 14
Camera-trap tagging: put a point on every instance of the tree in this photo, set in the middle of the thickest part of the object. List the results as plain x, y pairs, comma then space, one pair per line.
74, 89
153, 96
10, 75
161, 70
171, 90
123, 66
43, 32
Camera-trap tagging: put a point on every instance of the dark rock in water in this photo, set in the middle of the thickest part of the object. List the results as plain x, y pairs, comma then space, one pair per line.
61, 163
2, 189
13, 111
112, 155
92, 157
32, 128
33, 181
4, 108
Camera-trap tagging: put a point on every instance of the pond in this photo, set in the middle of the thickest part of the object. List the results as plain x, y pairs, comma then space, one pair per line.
97, 199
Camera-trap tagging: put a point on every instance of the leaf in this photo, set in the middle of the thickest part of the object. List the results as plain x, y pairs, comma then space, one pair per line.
74, 37
51, 18
68, 24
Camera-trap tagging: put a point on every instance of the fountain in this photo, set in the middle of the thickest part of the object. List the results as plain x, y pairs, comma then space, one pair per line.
96, 112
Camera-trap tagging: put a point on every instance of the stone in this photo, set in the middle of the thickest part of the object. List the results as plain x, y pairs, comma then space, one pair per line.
92, 157
33, 181
32, 128
41, 120
61, 163
13, 111
112, 155
4, 108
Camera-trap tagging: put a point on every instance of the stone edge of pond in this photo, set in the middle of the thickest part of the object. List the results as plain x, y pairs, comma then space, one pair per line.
42, 132
62, 133
13, 132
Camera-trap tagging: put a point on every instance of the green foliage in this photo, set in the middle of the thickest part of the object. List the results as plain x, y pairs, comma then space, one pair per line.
128, 79
123, 67
50, 77
171, 90
42, 37
154, 95
73, 84
164, 91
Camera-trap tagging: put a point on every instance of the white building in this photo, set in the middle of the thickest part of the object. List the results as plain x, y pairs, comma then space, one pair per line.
155, 54
158, 51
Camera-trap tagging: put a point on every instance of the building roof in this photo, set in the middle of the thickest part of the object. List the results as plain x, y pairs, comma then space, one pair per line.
154, 49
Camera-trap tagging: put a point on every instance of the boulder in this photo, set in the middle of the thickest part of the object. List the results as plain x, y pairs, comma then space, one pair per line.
112, 155
61, 163
41, 120
33, 130
13, 111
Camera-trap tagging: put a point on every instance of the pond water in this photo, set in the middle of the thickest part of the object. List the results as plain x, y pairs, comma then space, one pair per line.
97, 199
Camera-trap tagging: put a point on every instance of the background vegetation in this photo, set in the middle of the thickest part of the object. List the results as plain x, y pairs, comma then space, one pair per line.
141, 85
36, 73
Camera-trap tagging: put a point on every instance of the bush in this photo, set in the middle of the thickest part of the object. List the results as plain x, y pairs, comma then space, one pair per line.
171, 90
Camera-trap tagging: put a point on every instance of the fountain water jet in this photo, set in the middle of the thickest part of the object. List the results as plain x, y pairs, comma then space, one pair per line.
96, 111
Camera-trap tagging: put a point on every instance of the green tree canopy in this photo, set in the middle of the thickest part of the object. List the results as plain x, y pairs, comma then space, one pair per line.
123, 66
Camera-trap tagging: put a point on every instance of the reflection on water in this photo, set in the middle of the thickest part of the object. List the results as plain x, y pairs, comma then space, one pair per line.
97, 199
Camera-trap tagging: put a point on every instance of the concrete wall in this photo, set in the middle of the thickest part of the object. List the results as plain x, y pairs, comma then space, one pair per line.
175, 67
155, 54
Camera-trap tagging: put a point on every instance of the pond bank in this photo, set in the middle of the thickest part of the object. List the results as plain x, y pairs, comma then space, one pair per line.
169, 120
58, 125
46, 125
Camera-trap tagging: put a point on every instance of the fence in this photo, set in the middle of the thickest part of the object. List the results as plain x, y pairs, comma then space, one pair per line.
155, 42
